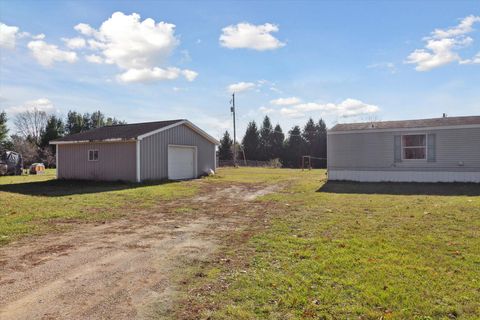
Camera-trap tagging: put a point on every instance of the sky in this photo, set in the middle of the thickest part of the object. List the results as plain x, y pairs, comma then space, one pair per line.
291, 60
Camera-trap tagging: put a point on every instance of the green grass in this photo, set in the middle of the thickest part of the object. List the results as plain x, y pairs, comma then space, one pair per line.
257, 175
34, 204
332, 251
353, 251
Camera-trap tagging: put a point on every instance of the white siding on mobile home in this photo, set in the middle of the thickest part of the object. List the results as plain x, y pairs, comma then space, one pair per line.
450, 154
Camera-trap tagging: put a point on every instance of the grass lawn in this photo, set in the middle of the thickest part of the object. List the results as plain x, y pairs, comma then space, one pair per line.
322, 250
35, 204
352, 251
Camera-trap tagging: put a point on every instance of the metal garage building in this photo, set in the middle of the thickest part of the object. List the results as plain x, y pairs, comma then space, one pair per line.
174, 149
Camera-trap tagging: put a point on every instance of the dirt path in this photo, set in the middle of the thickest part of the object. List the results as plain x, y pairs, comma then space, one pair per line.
121, 269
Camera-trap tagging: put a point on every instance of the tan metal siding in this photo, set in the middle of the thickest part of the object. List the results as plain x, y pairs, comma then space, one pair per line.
116, 161
154, 152
375, 151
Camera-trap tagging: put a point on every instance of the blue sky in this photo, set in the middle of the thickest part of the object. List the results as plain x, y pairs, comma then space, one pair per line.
341, 61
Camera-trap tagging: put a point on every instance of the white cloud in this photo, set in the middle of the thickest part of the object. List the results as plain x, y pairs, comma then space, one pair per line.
38, 36
46, 54
131, 43
285, 101
266, 110
249, 36
291, 113
8, 35
140, 48
190, 75
241, 86
474, 60
275, 89
95, 45
442, 46
438, 53
75, 43
154, 74
465, 26
25, 34
93, 58
347, 108
42, 104
353, 107
390, 66
85, 29
149, 75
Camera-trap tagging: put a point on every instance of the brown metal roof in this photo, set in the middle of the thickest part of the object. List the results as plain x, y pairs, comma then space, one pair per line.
122, 131
404, 124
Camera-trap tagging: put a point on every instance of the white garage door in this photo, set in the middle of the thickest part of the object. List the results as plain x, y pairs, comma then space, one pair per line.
181, 162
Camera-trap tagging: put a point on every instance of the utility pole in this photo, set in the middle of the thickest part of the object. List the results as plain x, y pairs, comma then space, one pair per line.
232, 109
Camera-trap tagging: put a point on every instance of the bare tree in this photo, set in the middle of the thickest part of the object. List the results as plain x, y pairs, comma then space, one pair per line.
30, 124
26, 148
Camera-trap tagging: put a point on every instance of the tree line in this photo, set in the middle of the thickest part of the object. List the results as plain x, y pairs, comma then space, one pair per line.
268, 143
34, 129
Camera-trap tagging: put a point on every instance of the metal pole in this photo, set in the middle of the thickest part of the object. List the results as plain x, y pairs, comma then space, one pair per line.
234, 132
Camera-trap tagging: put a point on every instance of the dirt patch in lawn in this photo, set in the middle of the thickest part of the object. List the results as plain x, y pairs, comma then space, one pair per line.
240, 192
126, 268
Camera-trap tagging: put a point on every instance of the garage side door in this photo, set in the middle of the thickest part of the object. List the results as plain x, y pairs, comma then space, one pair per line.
181, 162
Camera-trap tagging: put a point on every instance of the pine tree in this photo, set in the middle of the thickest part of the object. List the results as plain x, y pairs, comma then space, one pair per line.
310, 135
113, 122
3, 128
278, 140
266, 136
87, 122
225, 151
53, 130
97, 119
251, 141
321, 148
294, 148
74, 123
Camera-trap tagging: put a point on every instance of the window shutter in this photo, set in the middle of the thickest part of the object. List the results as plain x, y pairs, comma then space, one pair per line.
397, 149
431, 147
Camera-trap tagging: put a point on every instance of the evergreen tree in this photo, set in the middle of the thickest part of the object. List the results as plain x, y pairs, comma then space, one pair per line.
315, 136
251, 141
294, 148
113, 122
278, 140
225, 151
87, 122
310, 136
3, 128
74, 123
321, 147
97, 119
266, 136
53, 130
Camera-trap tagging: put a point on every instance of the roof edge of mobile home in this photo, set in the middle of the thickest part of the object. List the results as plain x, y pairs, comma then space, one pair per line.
129, 132
408, 125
